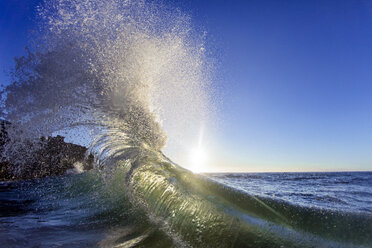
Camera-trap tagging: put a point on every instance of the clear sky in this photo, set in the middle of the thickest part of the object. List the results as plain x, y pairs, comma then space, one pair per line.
295, 79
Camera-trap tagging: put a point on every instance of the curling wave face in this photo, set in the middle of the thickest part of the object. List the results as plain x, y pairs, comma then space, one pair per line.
138, 198
126, 69
198, 212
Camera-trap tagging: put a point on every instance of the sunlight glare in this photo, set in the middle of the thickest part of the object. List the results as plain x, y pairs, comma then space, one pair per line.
198, 159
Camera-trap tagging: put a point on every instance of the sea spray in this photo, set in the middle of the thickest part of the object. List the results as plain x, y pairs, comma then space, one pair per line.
127, 69
133, 66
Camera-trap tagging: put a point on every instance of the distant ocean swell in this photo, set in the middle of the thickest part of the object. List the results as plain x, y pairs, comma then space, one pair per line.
125, 70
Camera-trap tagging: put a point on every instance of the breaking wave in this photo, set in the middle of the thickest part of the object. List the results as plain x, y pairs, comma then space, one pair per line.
125, 65
128, 70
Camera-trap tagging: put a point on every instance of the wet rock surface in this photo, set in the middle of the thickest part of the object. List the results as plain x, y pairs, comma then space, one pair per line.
53, 157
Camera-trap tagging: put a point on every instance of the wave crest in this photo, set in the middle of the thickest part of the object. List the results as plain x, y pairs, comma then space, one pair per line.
127, 65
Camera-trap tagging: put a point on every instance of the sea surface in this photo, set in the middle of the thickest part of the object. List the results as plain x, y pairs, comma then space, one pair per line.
86, 210
137, 75
343, 191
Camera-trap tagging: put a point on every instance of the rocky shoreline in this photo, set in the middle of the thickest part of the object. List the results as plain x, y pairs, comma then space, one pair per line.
52, 158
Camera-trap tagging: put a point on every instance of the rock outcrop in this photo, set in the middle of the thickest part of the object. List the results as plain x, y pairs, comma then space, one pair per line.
53, 157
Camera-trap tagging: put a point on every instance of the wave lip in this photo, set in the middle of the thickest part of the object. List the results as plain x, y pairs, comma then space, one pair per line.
126, 70
109, 65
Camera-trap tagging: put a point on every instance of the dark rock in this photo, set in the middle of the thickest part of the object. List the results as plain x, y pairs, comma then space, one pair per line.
53, 157
3, 135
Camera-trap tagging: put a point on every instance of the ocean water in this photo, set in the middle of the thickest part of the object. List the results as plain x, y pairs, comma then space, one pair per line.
137, 75
343, 191
242, 210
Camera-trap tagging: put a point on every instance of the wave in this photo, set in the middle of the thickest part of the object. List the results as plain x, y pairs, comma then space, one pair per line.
128, 70
134, 66
207, 214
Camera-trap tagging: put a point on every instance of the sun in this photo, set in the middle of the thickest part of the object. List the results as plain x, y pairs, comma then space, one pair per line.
198, 160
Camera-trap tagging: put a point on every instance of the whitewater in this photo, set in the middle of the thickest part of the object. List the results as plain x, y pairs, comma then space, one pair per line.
137, 75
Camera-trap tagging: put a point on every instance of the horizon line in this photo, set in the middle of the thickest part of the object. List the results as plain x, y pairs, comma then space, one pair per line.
241, 172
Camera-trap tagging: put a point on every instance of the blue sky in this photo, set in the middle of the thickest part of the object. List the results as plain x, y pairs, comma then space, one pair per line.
297, 83
295, 79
